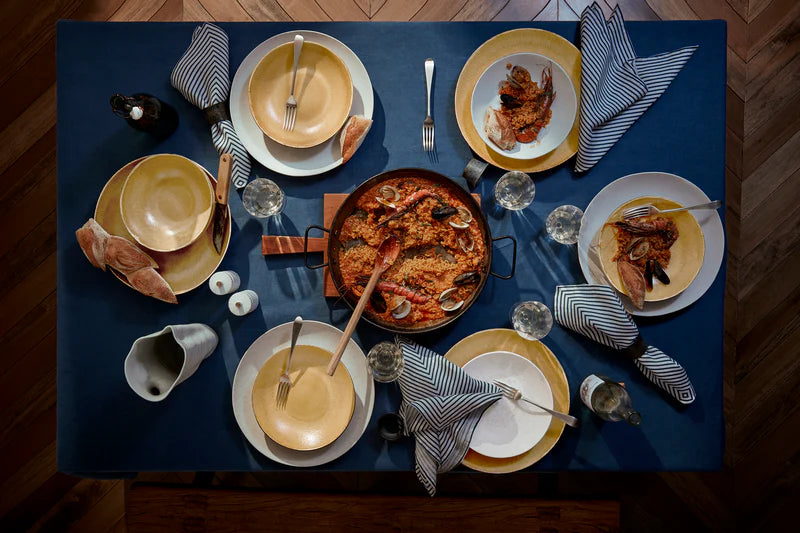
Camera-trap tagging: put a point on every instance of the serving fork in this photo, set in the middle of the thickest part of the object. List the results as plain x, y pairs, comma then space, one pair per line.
290, 113
427, 125
515, 394
646, 210
285, 382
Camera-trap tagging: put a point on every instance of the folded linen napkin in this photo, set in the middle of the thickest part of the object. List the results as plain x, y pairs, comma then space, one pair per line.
616, 86
202, 77
441, 407
597, 312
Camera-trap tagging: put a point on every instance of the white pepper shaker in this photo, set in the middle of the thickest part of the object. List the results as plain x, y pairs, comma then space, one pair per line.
243, 302
224, 282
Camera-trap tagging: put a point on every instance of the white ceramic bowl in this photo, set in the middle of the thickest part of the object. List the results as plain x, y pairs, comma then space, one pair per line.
564, 106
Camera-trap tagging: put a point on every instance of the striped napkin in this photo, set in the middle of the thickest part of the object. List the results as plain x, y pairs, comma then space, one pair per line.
597, 312
202, 77
441, 407
616, 86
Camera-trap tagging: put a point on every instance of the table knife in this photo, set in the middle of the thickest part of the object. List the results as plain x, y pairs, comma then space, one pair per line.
221, 208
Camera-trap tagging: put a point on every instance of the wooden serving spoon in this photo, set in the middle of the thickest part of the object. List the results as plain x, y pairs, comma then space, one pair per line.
387, 254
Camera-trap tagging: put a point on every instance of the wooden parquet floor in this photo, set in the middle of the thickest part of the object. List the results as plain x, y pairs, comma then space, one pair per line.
758, 488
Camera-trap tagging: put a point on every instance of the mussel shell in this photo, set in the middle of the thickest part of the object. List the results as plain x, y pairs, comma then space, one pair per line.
466, 278
378, 302
659, 273
402, 310
648, 274
442, 212
509, 101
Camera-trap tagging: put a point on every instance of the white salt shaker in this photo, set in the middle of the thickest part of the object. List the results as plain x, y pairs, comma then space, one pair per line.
224, 282
243, 302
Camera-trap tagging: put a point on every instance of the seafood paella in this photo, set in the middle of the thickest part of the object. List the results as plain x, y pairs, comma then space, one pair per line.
442, 251
651, 258
525, 108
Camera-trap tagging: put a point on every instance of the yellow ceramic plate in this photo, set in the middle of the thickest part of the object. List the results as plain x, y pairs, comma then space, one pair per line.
184, 269
166, 202
541, 42
686, 253
492, 340
324, 94
318, 408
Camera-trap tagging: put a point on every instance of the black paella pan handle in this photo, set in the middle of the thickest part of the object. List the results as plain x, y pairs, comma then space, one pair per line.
326, 230
513, 257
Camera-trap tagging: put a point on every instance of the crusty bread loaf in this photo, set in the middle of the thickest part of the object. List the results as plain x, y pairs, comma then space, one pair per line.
122, 255
93, 239
352, 135
126, 257
149, 282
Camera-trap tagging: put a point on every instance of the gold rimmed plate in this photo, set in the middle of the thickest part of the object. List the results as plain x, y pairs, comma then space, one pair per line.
318, 408
323, 90
183, 270
507, 340
523, 40
686, 253
166, 202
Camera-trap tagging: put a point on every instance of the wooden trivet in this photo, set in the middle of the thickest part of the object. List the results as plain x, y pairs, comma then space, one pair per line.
281, 244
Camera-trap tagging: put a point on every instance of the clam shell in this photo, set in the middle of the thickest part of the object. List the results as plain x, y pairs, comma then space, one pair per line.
452, 305
402, 310
446, 293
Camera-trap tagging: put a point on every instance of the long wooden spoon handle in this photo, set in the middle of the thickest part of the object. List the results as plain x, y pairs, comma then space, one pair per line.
351, 326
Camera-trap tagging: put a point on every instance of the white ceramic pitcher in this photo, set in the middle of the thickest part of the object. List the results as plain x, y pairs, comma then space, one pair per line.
159, 362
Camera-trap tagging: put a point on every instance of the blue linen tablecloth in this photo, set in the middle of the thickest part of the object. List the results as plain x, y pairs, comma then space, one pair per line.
103, 427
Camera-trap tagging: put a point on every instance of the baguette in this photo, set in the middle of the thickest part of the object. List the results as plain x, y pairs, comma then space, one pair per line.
352, 135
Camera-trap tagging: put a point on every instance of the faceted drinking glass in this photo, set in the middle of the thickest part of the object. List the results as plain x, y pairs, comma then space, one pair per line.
263, 198
386, 361
531, 320
564, 223
514, 190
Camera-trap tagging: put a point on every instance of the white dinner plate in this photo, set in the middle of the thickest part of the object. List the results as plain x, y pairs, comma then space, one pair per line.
564, 106
313, 334
663, 185
275, 156
510, 427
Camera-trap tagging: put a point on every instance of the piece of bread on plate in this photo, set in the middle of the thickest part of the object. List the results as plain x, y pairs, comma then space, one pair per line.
126, 257
352, 135
93, 240
149, 282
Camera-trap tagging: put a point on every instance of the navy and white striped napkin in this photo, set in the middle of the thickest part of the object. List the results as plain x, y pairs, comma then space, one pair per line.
597, 312
202, 77
441, 407
616, 86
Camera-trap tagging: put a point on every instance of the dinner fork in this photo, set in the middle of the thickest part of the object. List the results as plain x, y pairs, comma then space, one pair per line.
290, 114
285, 383
515, 394
427, 125
646, 210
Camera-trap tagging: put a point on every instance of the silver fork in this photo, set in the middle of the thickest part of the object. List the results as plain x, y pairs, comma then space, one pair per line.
290, 114
285, 382
427, 125
515, 394
646, 210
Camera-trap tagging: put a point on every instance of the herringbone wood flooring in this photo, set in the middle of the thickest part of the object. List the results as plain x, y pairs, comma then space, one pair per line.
758, 486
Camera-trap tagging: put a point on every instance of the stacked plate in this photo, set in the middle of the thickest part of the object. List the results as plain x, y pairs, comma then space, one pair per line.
332, 84
511, 436
323, 417
477, 90
696, 255
165, 203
